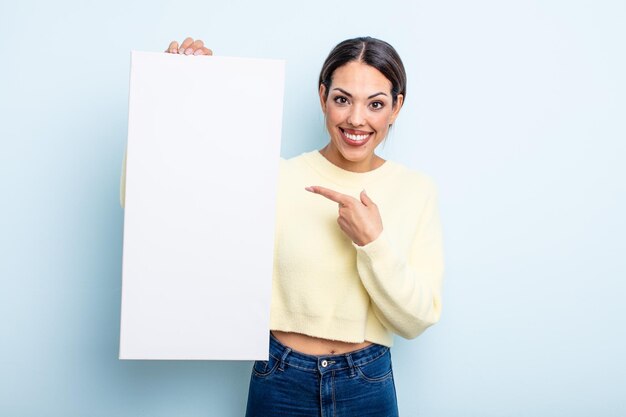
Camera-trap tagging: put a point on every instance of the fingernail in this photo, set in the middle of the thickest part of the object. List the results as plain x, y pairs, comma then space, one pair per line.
198, 52
181, 50
188, 51
309, 188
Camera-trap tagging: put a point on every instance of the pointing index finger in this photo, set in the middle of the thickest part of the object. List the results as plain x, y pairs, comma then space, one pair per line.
332, 195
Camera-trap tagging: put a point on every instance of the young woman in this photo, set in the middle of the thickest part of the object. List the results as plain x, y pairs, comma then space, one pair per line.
358, 253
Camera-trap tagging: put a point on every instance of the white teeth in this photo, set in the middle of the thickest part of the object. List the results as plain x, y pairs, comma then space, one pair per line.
355, 137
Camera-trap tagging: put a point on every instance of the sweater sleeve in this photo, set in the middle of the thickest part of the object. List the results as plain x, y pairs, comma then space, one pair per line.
405, 290
123, 182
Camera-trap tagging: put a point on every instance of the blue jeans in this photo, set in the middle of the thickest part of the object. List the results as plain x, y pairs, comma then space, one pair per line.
355, 384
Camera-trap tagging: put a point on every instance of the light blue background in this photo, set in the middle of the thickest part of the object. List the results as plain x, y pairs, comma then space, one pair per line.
516, 108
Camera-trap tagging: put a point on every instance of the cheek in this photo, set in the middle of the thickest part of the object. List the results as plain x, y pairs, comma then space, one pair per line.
334, 116
382, 121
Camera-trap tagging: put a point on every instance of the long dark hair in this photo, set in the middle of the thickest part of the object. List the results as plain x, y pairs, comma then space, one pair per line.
371, 51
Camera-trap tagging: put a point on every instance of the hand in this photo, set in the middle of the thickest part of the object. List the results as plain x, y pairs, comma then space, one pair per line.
189, 47
359, 220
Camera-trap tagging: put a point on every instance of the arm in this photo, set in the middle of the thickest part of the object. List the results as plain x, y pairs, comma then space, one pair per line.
406, 290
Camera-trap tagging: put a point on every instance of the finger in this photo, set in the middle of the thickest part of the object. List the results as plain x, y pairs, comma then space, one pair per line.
173, 48
203, 51
365, 199
330, 194
193, 47
345, 227
342, 224
186, 44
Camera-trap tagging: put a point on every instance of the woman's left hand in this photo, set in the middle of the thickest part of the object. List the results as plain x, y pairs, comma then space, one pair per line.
359, 220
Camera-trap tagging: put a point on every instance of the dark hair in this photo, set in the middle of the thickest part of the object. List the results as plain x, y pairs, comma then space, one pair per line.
371, 51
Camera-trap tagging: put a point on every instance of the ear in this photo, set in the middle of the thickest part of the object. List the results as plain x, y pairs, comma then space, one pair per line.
396, 108
322, 93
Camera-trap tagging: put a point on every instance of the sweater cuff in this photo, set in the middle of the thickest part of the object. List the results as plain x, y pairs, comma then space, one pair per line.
376, 248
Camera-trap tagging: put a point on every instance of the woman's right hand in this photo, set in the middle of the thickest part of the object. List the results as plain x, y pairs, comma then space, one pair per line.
189, 47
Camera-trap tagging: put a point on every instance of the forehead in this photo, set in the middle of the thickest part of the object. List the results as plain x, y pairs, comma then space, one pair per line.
356, 77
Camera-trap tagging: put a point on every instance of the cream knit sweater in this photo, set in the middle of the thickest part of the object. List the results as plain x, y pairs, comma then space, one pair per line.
325, 285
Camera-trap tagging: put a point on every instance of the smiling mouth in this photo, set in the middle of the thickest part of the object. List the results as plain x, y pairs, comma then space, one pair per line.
356, 137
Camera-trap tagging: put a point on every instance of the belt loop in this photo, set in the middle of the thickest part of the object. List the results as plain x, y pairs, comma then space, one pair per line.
281, 365
350, 364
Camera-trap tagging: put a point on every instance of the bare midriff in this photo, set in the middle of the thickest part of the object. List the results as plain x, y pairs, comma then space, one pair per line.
316, 346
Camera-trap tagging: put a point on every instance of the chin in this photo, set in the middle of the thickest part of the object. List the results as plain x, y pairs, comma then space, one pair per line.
354, 155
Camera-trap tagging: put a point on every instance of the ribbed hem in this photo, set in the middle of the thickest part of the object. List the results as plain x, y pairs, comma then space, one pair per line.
340, 329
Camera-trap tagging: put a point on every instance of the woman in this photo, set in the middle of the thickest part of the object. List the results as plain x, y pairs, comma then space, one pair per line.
352, 267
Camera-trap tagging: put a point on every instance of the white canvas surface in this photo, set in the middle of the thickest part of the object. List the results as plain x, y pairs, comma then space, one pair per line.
202, 166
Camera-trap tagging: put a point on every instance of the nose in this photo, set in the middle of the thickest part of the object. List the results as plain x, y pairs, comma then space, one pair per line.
356, 116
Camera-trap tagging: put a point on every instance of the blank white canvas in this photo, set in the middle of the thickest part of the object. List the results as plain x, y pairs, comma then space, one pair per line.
202, 167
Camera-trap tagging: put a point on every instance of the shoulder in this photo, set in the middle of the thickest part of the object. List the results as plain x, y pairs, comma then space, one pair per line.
413, 179
292, 172
296, 163
295, 160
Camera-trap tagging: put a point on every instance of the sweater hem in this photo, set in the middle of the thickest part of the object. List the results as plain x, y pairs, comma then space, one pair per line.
338, 329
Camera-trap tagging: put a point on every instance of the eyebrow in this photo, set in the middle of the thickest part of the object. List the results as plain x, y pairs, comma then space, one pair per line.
350, 95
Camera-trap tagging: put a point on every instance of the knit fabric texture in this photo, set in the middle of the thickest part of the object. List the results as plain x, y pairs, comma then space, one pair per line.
324, 285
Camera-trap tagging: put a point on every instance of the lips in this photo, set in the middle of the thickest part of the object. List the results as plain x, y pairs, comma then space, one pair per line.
355, 137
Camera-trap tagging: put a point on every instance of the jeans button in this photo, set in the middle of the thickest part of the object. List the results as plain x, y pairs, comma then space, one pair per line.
324, 363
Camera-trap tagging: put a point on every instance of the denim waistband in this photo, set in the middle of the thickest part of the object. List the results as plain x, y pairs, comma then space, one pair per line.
324, 363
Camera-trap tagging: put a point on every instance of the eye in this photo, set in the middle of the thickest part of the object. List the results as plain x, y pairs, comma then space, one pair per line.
341, 100
377, 105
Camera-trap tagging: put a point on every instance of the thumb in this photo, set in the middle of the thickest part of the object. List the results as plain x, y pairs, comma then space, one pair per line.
365, 199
